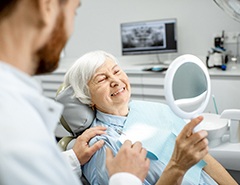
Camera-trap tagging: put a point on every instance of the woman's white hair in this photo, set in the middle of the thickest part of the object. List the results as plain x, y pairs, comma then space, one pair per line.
82, 71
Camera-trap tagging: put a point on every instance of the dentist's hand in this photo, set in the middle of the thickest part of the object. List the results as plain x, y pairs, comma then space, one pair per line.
81, 148
131, 158
190, 147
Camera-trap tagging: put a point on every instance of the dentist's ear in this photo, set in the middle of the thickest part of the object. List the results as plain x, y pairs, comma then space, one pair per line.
48, 11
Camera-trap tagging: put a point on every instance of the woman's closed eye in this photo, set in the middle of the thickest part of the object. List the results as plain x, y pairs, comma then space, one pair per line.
101, 79
116, 71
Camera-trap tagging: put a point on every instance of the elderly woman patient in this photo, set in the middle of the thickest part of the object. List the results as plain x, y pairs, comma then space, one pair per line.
98, 81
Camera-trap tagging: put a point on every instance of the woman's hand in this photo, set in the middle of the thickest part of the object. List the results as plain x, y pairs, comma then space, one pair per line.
190, 147
81, 148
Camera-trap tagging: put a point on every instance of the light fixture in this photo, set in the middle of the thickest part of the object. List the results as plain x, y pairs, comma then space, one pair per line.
231, 7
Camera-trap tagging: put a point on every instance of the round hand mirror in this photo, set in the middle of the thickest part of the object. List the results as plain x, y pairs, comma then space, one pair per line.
187, 86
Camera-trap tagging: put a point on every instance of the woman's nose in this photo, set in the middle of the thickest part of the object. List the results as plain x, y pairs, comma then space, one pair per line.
114, 82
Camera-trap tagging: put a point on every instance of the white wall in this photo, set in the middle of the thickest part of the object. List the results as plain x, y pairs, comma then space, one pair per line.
97, 25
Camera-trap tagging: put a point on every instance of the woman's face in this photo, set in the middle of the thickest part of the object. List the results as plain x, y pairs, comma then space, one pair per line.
110, 89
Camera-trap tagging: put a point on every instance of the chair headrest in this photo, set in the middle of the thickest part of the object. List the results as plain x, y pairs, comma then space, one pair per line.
76, 116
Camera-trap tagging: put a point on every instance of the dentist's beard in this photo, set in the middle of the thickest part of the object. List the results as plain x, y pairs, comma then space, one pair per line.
49, 54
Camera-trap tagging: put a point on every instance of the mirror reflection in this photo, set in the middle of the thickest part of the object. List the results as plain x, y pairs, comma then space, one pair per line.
189, 87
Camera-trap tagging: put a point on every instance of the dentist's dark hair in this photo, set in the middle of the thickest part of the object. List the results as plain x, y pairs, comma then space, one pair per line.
7, 7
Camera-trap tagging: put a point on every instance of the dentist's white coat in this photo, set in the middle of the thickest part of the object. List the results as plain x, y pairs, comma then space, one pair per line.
28, 151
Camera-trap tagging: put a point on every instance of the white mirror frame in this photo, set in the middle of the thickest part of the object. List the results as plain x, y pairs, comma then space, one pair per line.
168, 84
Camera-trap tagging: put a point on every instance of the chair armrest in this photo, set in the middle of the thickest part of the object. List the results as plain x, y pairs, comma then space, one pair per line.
63, 143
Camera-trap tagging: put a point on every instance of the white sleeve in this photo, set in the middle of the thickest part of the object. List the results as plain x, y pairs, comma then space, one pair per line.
123, 179
73, 161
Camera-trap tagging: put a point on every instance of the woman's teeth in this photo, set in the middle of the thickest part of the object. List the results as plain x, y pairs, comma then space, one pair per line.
121, 90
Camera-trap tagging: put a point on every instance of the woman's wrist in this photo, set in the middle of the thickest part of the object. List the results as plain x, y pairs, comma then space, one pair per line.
175, 168
173, 174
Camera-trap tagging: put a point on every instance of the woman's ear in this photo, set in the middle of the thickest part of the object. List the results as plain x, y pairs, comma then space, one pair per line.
92, 106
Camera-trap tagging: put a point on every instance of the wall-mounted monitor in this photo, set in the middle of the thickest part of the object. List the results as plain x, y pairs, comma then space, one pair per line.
149, 37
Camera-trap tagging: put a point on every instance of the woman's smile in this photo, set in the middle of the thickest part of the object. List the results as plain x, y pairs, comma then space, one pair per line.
119, 91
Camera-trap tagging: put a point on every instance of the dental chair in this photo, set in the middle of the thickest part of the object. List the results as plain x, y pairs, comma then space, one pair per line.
76, 118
